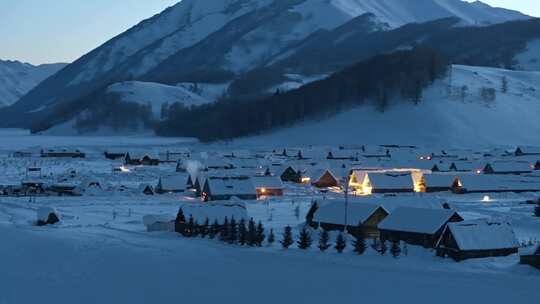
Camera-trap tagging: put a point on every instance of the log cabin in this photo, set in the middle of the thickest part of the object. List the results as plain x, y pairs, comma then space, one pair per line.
417, 226
478, 239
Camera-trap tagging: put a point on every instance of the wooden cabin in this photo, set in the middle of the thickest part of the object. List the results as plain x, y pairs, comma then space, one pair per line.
514, 168
292, 175
417, 226
225, 188
467, 240
171, 184
531, 259
136, 159
438, 182
115, 154
267, 186
323, 178
330, 216
525, 151
62, 153
376, 182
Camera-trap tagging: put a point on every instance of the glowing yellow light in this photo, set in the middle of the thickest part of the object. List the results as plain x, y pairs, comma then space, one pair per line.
478, 171
263, 190
306, 180
486, 199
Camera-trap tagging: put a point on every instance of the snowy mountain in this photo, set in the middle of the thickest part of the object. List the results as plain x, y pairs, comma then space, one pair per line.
213, 41
461, 117
17, 78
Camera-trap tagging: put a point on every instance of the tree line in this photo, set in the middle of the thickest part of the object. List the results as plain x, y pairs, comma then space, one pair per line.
379, 81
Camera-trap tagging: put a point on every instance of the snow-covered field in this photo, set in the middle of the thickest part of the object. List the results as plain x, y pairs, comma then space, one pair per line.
101, 252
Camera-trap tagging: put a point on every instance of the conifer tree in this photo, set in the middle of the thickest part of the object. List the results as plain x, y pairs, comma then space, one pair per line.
324, 239
205, 228
242, 232
305, 240
233, 231
180, 222
259, 234
340, 243
271, 238
287, 239
196, 229
251, 233
189, 227
214, 229
224, 231
360, 241
395, 250
537, 211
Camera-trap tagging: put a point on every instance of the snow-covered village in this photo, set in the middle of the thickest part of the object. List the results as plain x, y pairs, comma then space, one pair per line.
269, 151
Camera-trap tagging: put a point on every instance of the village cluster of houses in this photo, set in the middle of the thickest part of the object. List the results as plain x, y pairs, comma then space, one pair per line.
361, 172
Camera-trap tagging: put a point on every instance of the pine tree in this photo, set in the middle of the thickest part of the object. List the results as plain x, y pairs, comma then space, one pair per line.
242, 232
305, 240
233, 231
383, 248
340, 243
180, 222
214, 229
259, 234
224, 231
537, 211
196, 229
287, 240
251, 233
271, 237
360, 241
395, 249
324, 240
205, 228
504, 85
190, 227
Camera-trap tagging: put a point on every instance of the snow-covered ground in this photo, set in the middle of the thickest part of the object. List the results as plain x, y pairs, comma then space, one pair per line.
456, 117
101, 252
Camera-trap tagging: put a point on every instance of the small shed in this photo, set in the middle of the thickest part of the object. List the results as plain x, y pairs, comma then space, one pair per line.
160, 222
331, 215
215, 211
466, 240
417, 226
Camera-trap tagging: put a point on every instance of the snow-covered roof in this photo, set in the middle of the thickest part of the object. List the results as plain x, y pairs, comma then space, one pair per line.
151, 219
439, 180
215, 211
511, 167
418, 220
230, 186
483, 235
483, 182
393, 202
390, 181
333, 212
173, 182
269, 182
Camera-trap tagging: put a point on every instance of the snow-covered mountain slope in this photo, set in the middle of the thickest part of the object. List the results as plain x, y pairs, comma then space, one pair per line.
529, 60
17, 78
442, 118
155, 94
